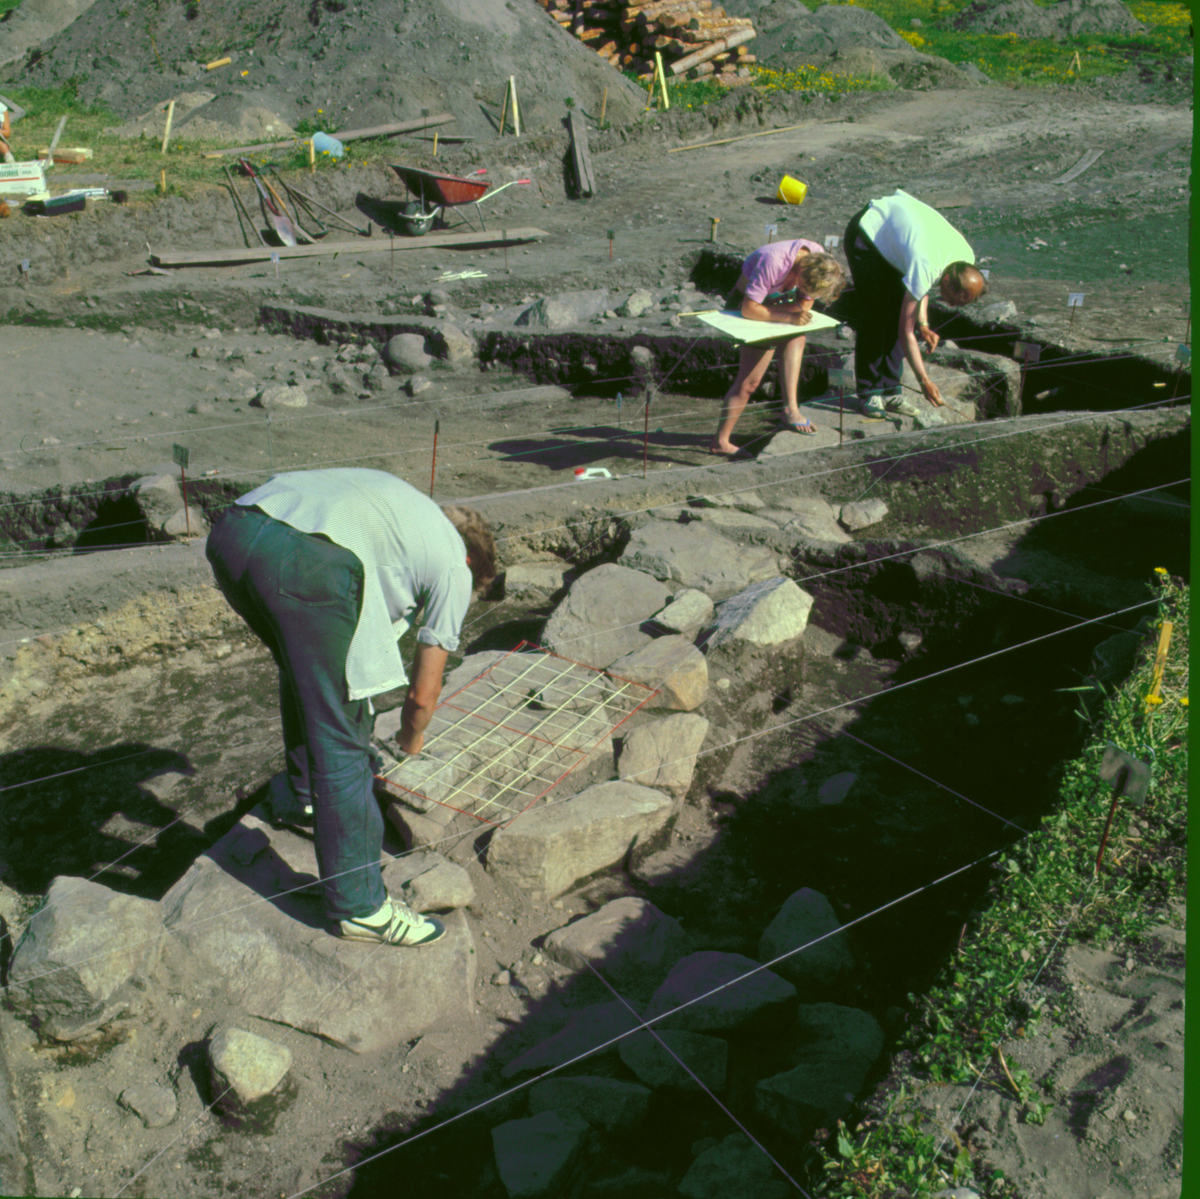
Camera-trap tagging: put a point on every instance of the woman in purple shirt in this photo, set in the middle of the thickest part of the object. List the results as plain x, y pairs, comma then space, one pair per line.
767, 274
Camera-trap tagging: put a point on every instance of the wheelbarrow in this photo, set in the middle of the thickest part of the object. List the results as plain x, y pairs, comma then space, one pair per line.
449, 191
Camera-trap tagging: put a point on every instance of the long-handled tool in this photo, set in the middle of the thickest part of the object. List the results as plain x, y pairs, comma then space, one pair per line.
240, 205
276, 217
297, 204
297, 195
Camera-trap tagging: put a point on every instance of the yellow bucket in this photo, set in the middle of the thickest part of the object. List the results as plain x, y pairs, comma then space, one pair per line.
791, 191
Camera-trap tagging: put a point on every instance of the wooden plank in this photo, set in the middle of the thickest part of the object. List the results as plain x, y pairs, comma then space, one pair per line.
366, 245
347, 135
726, 43
579, 150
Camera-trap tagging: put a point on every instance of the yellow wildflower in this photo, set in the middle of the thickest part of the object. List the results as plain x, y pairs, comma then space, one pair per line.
1160, 570
1184, 701
1154, 699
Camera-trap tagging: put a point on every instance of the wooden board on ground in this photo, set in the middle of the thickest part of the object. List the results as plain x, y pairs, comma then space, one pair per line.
345, 135
736, 326
363, 245
580, 157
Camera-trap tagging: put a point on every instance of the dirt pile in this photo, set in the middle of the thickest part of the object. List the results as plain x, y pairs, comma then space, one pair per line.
1069, 18
342, 65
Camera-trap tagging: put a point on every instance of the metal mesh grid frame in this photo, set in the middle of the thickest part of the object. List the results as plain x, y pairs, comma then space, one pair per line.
513, 732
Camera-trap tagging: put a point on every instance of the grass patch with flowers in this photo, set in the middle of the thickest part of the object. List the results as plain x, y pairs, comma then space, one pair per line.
1047, 893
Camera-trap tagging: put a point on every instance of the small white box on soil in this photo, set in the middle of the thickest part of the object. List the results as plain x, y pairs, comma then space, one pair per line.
22, 178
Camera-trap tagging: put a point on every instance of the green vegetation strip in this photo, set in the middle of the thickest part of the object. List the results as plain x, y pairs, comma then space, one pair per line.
1047, 895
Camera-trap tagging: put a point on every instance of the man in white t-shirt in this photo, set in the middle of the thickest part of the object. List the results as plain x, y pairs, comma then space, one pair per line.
329, 567
898, 250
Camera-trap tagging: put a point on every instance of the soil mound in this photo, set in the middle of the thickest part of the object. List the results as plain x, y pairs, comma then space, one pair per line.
343, 65
1069, 18
33, 22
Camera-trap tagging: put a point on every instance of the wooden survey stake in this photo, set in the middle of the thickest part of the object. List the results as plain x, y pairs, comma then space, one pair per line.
167, 130
181, 458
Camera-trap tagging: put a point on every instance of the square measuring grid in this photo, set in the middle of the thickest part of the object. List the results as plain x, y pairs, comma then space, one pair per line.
503, 740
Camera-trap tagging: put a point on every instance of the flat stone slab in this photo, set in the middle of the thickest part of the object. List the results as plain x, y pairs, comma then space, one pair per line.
738, 994
673, 665
698, 556
629, 941
807, 916
275, 959
814, 517
596, 1028
733, 518
687, 613
549, 848
706, 1057
536, 1157
834, 1047
767, 613
662, 754
427, 882
735, 1169
600, 619
609, 1104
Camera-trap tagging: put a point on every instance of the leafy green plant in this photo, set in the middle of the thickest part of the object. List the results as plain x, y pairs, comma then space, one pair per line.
1047, 891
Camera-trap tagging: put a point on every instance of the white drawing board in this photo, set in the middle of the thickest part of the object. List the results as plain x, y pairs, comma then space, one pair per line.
736, 326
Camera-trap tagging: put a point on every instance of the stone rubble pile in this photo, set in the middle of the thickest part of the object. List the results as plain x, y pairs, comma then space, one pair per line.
768, 1035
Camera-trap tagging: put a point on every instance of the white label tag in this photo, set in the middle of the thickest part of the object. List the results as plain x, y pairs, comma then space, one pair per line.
1075, 299
831, 242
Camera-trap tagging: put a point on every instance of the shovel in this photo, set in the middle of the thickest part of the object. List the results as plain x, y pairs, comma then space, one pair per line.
240, 205
276, 217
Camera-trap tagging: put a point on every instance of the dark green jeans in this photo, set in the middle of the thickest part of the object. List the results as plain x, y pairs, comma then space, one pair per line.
301, 594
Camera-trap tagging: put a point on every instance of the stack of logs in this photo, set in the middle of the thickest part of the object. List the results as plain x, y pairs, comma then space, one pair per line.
695, 37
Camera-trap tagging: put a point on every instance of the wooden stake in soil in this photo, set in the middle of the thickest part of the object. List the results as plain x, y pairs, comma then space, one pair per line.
312, 157
437, 424
611, 232
1160, 661
504, 239
162, 183
181, 457
603, 106
712, 232
435, 140
662, 80
646, 434
516, 112
167, 130
503, 110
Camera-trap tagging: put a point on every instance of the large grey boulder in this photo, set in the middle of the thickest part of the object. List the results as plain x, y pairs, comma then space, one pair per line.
767, 613
636, 304
563, 311
554, 846
460, 347
673, 665
654, 1059
160, 502
834, 1048
406, 352
609, 1104
594, 1030
662, 754
629, 941
537, 1157
806, 917
698, 557
246, 1067
859, 514
721, 992
280, 397
735, 1169
600, 619
275, 959
83, 957
536, 579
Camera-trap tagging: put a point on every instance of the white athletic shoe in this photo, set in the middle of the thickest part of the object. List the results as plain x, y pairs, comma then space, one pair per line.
394, 924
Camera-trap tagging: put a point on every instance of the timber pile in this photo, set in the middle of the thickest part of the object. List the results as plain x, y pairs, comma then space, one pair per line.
695, 37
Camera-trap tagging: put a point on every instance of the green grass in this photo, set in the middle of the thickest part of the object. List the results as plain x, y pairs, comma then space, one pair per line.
1045, 890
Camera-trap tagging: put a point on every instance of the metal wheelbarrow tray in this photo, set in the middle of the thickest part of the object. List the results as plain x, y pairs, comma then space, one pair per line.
446, 190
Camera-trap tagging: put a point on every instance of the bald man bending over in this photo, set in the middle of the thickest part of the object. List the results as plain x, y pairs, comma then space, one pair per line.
898, 250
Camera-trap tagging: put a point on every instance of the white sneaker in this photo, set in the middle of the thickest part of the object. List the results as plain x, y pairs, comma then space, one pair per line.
8, 157
873, 406
901, 406
394, 924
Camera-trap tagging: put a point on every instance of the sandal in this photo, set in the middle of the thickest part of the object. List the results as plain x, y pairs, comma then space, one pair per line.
804, 425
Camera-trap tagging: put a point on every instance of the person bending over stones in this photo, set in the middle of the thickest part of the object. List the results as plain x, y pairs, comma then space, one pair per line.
328, 568
768, 277
898, 250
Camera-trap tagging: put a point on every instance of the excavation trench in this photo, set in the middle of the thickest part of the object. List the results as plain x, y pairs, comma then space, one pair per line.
918, 726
